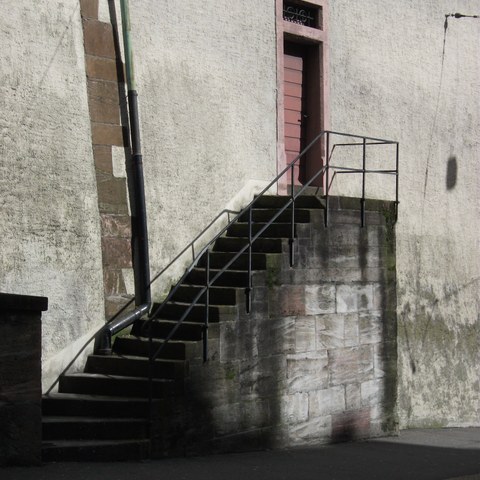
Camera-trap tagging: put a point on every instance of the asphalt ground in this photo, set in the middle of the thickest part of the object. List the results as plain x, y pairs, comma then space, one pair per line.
440, 454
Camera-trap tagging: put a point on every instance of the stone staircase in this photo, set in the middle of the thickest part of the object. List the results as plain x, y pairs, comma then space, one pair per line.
102, 413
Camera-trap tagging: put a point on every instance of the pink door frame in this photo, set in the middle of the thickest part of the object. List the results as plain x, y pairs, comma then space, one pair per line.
317, 40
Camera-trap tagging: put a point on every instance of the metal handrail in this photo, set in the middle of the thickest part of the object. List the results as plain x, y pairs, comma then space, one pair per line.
154, 354
118, 322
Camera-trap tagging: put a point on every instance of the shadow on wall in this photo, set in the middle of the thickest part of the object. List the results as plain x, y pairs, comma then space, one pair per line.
452, 170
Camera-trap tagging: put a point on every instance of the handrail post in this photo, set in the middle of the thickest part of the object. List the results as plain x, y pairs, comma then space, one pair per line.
291, 241
327, 180
364, 161
207, 308
248, 289
396, 180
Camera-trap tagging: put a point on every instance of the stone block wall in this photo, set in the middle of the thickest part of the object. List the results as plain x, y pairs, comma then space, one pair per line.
109, 126
315, 361
20, 379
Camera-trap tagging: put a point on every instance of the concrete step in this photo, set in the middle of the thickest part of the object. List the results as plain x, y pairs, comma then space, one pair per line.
132, 366
95, 450
161, 329
93, 428
265, 215
175, 310
228, 278
276, 230
276, 201
217, 295
261, 245
68, 404
138, 346
116, 385
219, 260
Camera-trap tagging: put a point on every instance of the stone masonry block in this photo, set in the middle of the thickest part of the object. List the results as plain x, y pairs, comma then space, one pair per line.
294, 408
287, 300
351, 329
117, 252
353, 396
332, 272
112, 194
100, 68
89, 8
306, 372
330, 331
353, 218
370, 327
226, 419
275, 336
263, 376
256, 412
351, 365
115, 225
326, 402
354, 298
246, 415
372, 392
98, 38
107, 134
102, 155
113, 282
351, 425
378, 296
314, 431
214, 383
238, 341
305, 334
319, 299
103, 111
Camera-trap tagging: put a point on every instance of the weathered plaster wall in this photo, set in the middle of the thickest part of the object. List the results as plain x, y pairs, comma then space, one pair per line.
49, 215
396, 73
206, 77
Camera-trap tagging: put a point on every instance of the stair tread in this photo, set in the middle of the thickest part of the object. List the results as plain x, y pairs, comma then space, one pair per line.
144, 359
157, 340
89, 396
117, 377
86, 419
230, 308
92, 443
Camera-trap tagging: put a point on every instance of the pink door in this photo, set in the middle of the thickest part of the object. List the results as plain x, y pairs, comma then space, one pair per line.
293, 99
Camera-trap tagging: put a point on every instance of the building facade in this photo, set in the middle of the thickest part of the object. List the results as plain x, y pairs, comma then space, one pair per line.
216, 82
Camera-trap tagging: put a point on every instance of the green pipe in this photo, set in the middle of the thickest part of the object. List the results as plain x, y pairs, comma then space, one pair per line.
141, 262
127, 44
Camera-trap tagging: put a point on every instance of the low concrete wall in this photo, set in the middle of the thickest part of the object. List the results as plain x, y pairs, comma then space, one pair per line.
20, 379
315, 361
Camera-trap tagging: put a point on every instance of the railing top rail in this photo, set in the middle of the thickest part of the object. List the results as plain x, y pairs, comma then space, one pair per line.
262, 192
192, 243
366, 137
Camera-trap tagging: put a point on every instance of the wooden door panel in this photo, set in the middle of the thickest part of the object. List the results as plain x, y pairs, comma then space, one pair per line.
293, 103
293, 90
293, 116
293, 98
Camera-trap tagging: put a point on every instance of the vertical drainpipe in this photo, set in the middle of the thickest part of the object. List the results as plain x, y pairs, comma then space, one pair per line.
141, 264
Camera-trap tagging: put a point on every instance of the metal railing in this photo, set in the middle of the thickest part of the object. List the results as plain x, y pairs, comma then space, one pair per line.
202, 297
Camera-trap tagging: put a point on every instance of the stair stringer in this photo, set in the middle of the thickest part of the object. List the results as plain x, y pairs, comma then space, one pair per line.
315, 360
